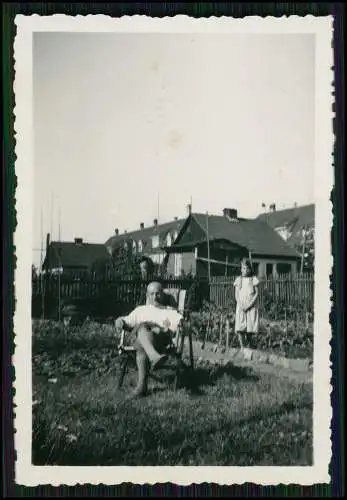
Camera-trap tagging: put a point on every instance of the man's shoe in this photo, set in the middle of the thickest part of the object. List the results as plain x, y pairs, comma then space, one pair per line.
159, 362
137, 394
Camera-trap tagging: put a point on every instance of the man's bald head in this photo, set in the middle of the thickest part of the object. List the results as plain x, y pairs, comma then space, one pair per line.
154, 293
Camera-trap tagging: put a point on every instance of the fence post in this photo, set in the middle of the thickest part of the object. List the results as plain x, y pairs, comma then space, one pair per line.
307, 320
227, 326
220, 329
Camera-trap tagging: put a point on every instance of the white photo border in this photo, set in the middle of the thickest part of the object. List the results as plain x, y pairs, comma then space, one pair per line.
30, 475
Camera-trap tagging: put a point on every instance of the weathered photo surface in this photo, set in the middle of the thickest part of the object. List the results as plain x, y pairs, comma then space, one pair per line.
173, 250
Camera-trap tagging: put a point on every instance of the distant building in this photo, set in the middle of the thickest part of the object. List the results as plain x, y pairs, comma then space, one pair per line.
291, 222
74, 257
147, 241
230, 238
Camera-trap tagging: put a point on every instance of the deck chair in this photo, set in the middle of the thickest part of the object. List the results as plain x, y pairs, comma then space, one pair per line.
127, 353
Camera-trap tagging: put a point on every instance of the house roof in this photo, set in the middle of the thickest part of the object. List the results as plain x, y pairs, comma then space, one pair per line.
145, 235
70, 254
294, 219
253, 234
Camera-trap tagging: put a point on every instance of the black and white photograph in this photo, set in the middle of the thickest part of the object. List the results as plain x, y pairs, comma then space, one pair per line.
173, 249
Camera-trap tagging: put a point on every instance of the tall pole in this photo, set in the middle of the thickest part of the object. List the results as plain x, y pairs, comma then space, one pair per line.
303, 251
52, 216
158, 203
41, 271
59, 229
208, 250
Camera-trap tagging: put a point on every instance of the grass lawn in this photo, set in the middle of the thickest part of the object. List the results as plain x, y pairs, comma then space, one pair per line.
237, 418
225, 416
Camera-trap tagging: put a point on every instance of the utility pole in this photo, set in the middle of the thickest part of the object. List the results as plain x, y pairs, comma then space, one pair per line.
208, 250
303, 251
59, 229
158, 204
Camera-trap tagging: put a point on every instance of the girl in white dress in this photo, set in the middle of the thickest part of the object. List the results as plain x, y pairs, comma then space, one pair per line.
246, 294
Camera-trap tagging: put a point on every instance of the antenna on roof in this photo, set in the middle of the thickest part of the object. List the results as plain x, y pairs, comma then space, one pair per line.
52, 207
59, 232
158, 207
208, 250
41, 249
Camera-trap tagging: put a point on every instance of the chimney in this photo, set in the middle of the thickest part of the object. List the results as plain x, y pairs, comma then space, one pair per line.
230, 213
176, 218
155, 222
142, 226
189, 208
78, 241
116, 231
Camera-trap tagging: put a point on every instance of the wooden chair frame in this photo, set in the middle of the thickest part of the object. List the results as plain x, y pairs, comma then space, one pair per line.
127, 353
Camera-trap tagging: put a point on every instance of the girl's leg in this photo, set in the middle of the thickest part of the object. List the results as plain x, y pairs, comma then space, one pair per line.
240, 337
249, 340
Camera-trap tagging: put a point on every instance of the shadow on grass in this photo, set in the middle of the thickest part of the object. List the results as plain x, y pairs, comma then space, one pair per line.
194, 380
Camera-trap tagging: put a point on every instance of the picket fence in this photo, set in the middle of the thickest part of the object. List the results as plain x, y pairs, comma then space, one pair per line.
291, 291
48, 292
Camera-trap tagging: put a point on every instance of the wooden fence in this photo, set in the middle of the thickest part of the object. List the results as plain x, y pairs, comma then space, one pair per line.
118, 296
282, 292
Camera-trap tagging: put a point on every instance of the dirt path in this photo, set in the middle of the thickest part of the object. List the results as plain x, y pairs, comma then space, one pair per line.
299, 376
207, 354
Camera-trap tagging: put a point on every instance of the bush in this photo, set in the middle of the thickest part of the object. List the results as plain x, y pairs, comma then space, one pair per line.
57, 349
289, 338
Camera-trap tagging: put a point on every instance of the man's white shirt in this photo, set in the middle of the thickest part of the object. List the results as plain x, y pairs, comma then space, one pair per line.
162, 316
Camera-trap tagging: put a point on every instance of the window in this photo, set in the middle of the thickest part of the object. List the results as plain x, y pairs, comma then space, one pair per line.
168, 240
177, 264
155, 241
283, 232
134, 246
284, 268
256, 268
140, 246
269, 269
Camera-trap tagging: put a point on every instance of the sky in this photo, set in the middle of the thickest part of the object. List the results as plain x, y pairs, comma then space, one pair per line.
131, 127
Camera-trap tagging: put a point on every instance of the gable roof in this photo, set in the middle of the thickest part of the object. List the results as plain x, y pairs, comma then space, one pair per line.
145, 235
70, 254
294, 219
253, 234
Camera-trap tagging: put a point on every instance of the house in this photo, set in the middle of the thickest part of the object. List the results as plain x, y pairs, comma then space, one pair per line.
297, 227
73, 257
147, 241
291, 222
229, 239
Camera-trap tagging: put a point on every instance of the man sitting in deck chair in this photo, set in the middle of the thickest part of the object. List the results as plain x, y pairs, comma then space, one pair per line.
154, 325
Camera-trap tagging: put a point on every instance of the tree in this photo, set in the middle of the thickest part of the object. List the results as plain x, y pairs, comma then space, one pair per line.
127, 263
34, 271
306, 248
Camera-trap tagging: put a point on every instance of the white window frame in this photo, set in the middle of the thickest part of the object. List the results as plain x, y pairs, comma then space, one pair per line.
284, 232
155, 241
168, 240
140, 246
177, 264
